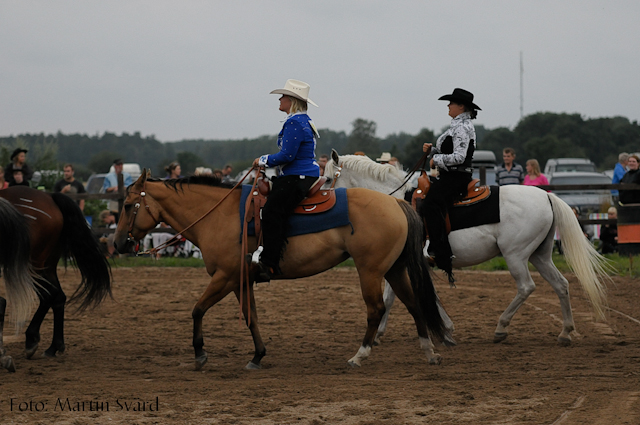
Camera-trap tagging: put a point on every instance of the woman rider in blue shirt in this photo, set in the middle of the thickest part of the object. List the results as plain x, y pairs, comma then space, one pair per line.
297, 172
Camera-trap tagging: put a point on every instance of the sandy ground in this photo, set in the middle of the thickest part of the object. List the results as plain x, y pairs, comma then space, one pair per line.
131, 362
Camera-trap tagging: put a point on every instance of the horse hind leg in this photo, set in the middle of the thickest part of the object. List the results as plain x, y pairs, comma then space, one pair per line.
57, 343
5, 361
399, 281
389, 298
544, 264
32, 334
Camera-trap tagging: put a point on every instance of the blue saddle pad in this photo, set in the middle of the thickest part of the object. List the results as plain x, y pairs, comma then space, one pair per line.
302, 224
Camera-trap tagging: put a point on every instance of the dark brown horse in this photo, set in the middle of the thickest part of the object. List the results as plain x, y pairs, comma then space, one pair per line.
58, 229
16, 270
384, 239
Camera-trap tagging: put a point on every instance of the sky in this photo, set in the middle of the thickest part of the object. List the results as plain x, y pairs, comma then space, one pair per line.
204, 69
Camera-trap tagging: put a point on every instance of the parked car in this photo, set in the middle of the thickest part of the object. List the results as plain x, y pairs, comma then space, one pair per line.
486, 159
555, 165
591, 200
95, 182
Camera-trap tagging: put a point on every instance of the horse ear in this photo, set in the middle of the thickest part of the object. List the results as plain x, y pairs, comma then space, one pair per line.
148, 173
335, 156
143, 176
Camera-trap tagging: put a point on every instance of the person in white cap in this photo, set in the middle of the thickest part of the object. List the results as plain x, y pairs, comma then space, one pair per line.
297, 172
452, 154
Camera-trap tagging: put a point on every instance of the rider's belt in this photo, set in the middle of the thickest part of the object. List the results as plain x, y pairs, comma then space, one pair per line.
460, 168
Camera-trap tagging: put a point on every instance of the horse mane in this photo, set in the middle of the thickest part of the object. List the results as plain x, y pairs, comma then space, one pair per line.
177, 184
365, 165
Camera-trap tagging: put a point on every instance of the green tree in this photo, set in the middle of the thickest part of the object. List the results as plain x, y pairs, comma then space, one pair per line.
550, 146
413, 150
102, 161
363, 138
189, 161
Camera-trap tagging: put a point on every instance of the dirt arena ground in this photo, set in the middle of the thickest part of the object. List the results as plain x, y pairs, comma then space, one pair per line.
131, 362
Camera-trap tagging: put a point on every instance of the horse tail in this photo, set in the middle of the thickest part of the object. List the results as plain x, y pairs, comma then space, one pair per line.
587, 264
15, 248
78, 242
419, 273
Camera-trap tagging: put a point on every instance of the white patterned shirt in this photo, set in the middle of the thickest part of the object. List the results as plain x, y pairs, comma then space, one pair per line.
462, 132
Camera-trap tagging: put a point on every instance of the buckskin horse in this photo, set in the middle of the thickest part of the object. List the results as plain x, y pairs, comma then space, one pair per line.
16, 270
384, 238
528, 219
58, 229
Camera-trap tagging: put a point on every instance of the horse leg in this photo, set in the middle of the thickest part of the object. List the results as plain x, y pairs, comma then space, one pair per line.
399, 280
32, 333
389, 297
260, 349
370, 284
57, 305
544, 264
5, 361
218, 288
520, 272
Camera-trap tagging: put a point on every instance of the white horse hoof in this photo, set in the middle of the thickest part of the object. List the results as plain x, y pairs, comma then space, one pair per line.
7, 363
354, 363
435, 360
253, 366
499, 336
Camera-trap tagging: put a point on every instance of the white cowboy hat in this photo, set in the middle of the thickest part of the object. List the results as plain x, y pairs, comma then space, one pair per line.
385, 157
297, 89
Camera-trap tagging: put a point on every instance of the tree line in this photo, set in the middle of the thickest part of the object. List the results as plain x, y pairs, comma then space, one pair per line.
542, 136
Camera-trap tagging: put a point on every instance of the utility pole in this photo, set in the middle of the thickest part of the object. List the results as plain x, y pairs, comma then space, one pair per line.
521, 87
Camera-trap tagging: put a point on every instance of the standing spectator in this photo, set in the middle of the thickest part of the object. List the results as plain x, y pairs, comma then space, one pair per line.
69, 184
173, 170
510, 172
632, 176
226, 174
3, 183
110, 184
18, 162
534, 176
18, 179
322, 162
618, 172
609, 233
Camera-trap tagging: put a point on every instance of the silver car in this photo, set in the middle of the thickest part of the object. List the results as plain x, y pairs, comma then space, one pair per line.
591, 200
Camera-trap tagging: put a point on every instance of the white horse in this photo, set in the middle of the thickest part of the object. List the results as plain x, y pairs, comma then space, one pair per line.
528, 219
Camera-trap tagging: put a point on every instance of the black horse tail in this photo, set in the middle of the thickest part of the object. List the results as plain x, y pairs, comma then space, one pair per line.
15, 248
78, 242
419, 273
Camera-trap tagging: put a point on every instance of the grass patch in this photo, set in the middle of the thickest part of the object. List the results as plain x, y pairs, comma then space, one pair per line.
623, 266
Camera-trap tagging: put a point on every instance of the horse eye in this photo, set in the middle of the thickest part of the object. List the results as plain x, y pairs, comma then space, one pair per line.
127, 207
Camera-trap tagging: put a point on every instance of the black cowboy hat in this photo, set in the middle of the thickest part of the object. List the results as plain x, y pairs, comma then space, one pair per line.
17, 152
461, 96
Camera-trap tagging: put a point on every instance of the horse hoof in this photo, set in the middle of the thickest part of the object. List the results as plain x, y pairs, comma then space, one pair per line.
499, 336
354, 363
564, 341
7, 363
29, 352
376, 341
253, 366
201, 361
435, 360
49, 355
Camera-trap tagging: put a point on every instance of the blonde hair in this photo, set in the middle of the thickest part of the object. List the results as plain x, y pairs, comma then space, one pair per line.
297, 105
535, 167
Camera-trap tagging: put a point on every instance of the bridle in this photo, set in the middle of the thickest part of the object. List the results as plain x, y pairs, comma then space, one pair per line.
142, 200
